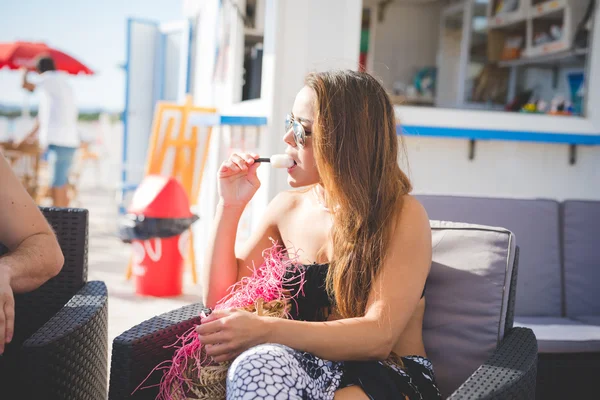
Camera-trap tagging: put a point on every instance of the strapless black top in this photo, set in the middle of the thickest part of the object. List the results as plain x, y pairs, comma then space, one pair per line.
313, 302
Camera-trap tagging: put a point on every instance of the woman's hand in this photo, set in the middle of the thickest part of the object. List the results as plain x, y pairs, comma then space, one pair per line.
238, 180
226, 334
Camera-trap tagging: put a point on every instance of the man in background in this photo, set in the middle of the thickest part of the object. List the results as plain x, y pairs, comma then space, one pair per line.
55, 126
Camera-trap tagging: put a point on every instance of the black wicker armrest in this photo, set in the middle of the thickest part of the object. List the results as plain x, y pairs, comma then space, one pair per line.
137, 351
67, 357
509, 374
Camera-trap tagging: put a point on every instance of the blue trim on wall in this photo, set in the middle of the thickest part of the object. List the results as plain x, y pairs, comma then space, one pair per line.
188, 83
159, 77
489, 134
126, 108
244, 121
125, 112
216, 119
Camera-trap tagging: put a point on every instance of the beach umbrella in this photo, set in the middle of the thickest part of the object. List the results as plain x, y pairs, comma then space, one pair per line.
16, 55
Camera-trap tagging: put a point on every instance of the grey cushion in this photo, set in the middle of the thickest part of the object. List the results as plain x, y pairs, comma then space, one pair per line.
466, 298
588, 319
581, 241
535, 224
562, 335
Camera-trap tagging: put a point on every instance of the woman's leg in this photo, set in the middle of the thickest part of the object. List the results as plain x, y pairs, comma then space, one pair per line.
279, 372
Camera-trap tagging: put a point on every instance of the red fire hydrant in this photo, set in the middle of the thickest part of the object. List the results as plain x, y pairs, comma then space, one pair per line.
157, 226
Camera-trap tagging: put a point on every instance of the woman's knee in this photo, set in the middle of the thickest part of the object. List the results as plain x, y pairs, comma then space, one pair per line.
268, 363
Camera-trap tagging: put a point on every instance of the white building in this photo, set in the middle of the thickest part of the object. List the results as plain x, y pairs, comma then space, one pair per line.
249, 57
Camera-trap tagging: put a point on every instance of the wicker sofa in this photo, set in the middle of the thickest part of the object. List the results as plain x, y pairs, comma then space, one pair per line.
468, 327
59, 350
558, 292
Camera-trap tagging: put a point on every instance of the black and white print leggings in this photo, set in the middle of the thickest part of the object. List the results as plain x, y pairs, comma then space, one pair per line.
274, 372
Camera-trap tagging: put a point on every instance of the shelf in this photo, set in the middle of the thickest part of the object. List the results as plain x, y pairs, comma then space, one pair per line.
483, 106
547, 7
253, 37
537, 19
506, 19
546, 49
567, 57
253, 32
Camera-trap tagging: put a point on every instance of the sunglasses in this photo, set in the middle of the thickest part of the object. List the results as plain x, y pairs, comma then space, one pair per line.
300, 133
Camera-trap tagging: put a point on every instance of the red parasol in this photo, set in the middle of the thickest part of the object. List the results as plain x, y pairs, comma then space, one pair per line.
17, 55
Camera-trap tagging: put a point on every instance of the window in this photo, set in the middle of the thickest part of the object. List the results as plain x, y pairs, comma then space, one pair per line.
253, 49
526, 56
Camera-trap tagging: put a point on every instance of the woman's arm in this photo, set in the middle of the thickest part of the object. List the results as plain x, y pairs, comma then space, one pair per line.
34, 254
341, 340
223, 267
393, 299
238, 182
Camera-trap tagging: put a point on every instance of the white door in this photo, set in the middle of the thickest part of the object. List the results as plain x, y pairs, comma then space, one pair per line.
157, 68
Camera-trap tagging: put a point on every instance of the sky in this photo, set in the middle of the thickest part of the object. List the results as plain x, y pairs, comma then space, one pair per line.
91, 31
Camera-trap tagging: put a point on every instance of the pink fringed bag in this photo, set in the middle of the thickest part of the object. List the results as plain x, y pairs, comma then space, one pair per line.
193, 375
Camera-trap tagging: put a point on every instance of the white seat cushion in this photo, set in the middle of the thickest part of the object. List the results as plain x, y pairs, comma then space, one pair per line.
562, 335
588, 319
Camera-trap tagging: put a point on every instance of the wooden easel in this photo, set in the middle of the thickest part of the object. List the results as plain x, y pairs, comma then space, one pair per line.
175, 152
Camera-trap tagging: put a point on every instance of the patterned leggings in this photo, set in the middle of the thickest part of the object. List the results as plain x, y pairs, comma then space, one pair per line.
274, 371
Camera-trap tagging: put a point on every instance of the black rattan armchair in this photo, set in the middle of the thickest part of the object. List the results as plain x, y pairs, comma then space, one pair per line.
60, 345
138, 350
507, 371
510, 372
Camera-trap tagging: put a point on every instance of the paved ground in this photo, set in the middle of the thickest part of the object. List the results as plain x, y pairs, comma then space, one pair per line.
108, 258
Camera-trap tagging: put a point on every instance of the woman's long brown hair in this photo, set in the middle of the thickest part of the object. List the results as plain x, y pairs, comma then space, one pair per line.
356, 151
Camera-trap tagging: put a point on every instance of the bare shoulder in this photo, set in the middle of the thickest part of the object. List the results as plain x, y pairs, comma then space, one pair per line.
413, 215
412, 233
290, 198
284, 203
286, 200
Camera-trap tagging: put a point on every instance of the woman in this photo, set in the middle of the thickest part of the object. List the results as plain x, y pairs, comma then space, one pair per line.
365, 245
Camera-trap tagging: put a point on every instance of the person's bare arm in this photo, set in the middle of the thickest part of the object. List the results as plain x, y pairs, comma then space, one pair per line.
218, 276
25, 83
34, 254
36, 126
